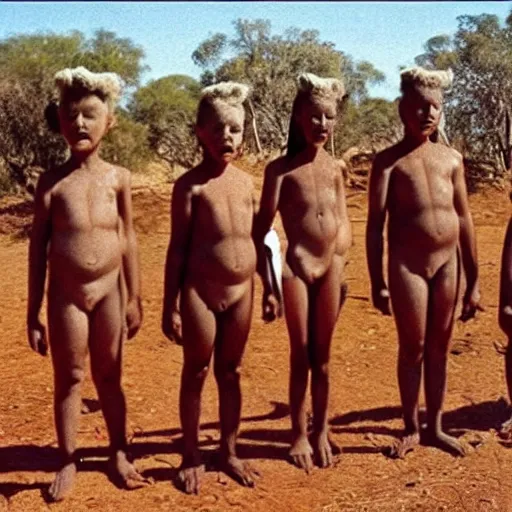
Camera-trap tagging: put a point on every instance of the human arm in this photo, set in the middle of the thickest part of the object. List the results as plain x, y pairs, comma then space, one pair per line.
467, 243
377, 204
505, 305
345, 239
262, 223
37, 265
181, 220
131, 264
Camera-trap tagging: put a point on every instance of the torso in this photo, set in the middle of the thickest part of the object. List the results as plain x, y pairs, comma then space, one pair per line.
222, 255
423, 228
314, 223
85, 252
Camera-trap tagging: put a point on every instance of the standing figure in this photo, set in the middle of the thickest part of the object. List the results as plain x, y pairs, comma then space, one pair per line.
83, 230
306, 187
209, 277
505, 316
420, 184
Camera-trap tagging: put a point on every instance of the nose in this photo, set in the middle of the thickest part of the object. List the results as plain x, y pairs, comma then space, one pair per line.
323, 121
226, 134
79, 121
429, 111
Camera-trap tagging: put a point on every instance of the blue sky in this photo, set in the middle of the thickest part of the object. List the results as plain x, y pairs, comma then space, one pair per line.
388, 34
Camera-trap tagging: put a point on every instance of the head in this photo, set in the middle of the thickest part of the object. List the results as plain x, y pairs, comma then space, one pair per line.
421, 104
314, 111
221, 119
84, 112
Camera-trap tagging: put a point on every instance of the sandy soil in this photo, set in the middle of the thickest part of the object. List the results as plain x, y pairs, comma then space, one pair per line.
364, 410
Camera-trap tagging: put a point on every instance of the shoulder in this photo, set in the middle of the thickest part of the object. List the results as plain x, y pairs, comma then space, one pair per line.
48, 180
124, 175
448, 157
456, 157
187, 182
386, 159
277, 167
342, 165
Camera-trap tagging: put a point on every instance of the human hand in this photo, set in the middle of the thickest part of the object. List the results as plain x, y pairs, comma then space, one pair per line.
380, 299
505, 319
133, 316
37, 337
471, 304
271, 308
171, 326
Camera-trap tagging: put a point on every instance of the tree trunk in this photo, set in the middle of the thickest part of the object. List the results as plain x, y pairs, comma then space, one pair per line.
255, 128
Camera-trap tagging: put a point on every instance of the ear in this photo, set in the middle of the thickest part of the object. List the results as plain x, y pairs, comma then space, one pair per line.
112, 121
241, 150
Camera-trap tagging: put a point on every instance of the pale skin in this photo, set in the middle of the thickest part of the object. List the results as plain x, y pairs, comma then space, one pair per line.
83, 233
308, 192
421, 186
505, 316
209, 284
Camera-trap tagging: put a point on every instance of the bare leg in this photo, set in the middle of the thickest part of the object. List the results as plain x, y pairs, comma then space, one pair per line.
443, 298
232, 333
409, 296
325, 306
506, 427
68, 337
342, 262
295, 295
198, 340
105, 344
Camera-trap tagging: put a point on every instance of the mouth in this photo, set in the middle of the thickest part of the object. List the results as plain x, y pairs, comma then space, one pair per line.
227, 150
82, 136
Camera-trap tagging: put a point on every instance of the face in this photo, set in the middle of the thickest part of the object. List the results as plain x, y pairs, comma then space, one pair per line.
317, 118
221, 131
84, 121
420, 110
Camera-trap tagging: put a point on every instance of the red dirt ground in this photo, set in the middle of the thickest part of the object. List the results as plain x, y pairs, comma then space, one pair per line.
364, 400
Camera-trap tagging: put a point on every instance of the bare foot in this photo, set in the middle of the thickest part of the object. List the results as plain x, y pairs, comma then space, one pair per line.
63, 483
189, 478
124, 473
239, 470
322, 449
301, 454
404, 445
445, 442
505, 431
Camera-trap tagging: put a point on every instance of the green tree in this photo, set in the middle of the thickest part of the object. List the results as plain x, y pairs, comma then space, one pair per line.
270, 64
27, 66
478, 107
127, 143
168, 106
371, 125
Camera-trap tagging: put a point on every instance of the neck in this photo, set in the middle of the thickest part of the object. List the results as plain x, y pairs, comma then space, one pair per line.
85, 160
214, 167
414, 140
312, 151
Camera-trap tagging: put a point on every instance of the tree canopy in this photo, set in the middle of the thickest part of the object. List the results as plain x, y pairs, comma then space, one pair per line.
478, 107
27, 66
270, 63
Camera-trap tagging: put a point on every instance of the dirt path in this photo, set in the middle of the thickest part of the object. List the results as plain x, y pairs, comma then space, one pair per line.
364, 401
